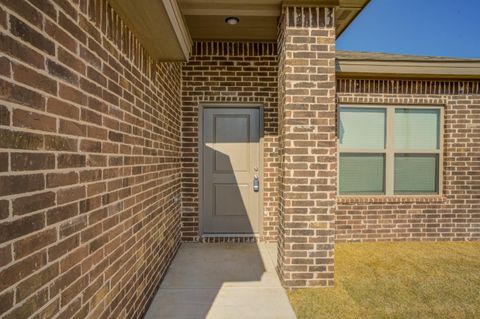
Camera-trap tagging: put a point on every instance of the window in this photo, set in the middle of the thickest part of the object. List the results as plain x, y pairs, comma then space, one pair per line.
389, 150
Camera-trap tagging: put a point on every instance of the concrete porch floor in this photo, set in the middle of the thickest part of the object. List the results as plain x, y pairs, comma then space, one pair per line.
218, 281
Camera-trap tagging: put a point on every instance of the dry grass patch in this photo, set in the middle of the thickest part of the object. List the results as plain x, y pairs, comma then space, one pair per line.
398, 280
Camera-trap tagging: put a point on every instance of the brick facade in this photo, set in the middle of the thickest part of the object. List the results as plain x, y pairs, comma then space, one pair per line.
89, 163
455, 215
308, 147
99, 156
229, 72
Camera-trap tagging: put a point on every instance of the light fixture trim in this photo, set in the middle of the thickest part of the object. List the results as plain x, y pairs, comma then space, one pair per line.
232, 20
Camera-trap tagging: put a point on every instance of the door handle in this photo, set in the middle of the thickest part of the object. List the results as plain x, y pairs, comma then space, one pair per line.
256, 184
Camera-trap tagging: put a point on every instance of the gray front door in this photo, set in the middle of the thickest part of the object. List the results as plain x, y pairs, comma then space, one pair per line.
230, 165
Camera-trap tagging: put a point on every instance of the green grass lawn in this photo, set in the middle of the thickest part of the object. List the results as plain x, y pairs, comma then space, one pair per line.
398, 280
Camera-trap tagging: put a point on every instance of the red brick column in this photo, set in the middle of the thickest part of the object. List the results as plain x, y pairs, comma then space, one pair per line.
308, 147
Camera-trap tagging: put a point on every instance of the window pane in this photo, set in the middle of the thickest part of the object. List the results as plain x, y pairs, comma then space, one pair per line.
362, 173
416, 174
417, 128
362, 127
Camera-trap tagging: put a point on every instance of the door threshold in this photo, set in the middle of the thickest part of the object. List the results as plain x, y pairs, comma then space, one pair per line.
230, 238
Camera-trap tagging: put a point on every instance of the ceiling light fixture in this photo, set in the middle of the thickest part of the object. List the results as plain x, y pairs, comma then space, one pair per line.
232, 20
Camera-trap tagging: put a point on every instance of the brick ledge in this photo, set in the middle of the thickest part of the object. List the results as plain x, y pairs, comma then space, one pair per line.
390, 199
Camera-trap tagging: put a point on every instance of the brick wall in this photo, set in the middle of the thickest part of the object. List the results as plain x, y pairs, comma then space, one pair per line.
89, 163
453, 216
308, 148
229, 72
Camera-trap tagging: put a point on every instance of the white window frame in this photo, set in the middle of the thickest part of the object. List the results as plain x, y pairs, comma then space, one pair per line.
389, 151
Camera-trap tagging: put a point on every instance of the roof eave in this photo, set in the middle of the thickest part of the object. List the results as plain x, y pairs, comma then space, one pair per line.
345, 27
159, 25
450, 69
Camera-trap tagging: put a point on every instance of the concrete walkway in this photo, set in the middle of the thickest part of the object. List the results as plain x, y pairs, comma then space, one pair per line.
222, 281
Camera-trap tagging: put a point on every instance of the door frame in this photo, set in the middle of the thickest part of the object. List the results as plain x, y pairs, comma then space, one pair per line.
229, 105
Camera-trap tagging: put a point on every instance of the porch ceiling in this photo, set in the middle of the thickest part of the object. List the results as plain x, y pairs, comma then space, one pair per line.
167, 27
258, 18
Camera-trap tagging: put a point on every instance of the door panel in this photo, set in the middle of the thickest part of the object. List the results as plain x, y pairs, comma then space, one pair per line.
229, 199
230, 162
232, 136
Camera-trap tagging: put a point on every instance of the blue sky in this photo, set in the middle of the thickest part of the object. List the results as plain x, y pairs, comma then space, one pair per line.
423, 27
